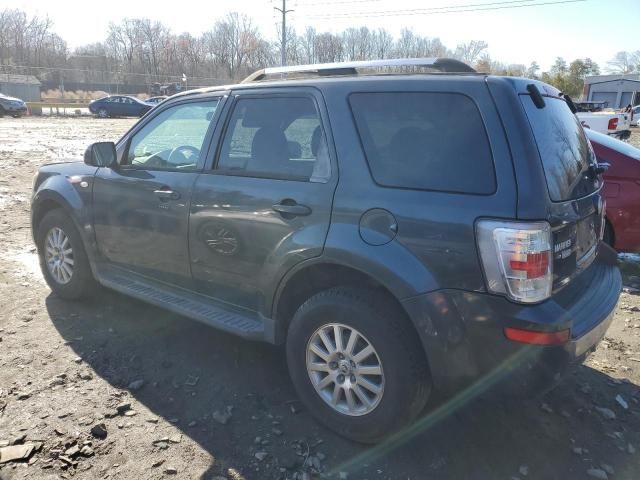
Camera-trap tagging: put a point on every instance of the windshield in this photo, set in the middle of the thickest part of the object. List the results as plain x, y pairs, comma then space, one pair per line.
613, 143
565, 152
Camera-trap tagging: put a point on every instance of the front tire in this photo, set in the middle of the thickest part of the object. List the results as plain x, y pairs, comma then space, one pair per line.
63, 259
102, 113
356, 364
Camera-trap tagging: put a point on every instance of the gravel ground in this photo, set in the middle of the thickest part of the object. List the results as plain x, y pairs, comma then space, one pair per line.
117, 389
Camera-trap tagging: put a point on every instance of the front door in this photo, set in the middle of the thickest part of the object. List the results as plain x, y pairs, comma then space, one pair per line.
141, 208
266, 203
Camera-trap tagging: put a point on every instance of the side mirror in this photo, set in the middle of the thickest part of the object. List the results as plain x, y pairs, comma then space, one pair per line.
101, 154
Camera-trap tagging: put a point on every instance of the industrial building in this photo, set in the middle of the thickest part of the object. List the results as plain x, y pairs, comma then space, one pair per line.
617, 90
24, 87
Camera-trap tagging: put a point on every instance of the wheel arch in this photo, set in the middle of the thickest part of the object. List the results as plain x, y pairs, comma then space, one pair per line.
42, 205
313, 277
56, 192
611, 230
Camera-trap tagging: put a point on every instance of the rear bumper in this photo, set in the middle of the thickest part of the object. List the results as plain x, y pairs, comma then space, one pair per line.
463, 332
621, 134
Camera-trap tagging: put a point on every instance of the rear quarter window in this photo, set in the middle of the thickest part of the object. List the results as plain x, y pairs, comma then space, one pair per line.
425, 141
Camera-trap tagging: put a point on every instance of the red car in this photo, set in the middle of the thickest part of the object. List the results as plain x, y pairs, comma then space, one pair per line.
621, 190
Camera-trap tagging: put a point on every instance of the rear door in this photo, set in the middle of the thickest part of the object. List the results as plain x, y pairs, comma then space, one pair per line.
265, 203
576, 209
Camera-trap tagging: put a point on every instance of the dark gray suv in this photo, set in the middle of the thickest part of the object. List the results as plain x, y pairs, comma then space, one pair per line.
399, 233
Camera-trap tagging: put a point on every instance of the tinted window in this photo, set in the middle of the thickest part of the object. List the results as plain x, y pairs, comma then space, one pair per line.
564, 149
278, 137
427, 141
174, 138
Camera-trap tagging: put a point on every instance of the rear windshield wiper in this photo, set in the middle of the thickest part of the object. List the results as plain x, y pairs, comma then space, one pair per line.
572, 106
536, 96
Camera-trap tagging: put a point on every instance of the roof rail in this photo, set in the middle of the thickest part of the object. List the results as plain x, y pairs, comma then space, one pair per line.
443, 65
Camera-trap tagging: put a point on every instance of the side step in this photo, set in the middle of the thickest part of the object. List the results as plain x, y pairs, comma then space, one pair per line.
192, 305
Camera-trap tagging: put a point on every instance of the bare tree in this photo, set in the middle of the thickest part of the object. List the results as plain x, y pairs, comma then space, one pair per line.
624, 62
470, 52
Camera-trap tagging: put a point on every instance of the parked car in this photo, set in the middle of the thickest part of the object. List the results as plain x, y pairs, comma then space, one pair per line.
119, 106
461, 246
596, 116
12, 106
156, 100
621, 190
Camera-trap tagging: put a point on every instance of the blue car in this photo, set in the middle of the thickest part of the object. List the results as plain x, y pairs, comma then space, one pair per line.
119, 106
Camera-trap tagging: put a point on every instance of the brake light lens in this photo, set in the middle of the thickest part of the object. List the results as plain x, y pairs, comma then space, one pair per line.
517, 259
613, 124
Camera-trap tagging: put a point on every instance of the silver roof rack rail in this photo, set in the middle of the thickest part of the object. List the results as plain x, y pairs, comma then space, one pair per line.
442, 65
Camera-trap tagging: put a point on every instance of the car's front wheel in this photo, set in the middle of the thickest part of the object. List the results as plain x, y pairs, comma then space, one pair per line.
356, 364
102, 113
63, 259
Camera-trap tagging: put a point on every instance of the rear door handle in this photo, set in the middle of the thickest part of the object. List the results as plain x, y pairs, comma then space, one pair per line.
165, 193
291, 209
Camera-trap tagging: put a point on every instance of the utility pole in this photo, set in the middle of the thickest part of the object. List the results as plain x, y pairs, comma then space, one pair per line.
283, 46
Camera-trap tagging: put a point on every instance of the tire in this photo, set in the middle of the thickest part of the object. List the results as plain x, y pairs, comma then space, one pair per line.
16, 115
405, 378
2, 112
80, 283
102, 113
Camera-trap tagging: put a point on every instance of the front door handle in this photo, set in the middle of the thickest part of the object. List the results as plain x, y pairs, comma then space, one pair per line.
290, 209
165, 193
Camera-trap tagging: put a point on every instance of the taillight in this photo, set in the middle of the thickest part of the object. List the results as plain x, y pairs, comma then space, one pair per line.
517, 259
613, 124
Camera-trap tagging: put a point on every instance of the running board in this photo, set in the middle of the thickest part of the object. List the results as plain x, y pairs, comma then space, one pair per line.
182, 302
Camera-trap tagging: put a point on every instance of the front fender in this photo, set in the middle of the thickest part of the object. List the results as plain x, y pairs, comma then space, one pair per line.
73, 195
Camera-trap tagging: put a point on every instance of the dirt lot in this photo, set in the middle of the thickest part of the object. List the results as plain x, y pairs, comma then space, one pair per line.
207, 405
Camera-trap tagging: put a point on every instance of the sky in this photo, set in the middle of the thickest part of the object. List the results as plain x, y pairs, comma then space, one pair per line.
576, 29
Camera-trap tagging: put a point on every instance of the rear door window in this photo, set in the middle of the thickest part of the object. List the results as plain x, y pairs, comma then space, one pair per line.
563, 147
275, 137
425, 141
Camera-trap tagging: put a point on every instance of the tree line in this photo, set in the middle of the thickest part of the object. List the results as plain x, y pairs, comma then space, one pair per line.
142, 51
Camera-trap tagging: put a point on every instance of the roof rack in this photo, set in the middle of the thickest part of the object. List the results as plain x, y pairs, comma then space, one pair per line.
442, 65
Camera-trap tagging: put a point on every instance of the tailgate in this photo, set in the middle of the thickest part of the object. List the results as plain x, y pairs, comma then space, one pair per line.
577, 229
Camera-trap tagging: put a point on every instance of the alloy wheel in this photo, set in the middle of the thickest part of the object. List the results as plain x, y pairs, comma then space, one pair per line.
59, 255
345, 369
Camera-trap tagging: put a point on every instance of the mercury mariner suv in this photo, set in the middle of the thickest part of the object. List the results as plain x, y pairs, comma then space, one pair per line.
399, 226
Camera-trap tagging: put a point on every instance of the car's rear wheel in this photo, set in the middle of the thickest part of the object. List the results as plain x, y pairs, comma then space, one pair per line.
102, 113
356, 364
63, 259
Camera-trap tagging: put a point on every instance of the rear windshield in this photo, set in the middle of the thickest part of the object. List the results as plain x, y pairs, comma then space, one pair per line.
564, 149
425, 141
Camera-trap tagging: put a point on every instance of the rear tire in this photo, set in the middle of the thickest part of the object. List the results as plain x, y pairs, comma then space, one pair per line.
63, 259
356, 412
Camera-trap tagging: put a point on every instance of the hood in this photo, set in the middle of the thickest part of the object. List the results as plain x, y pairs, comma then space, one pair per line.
12, 99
